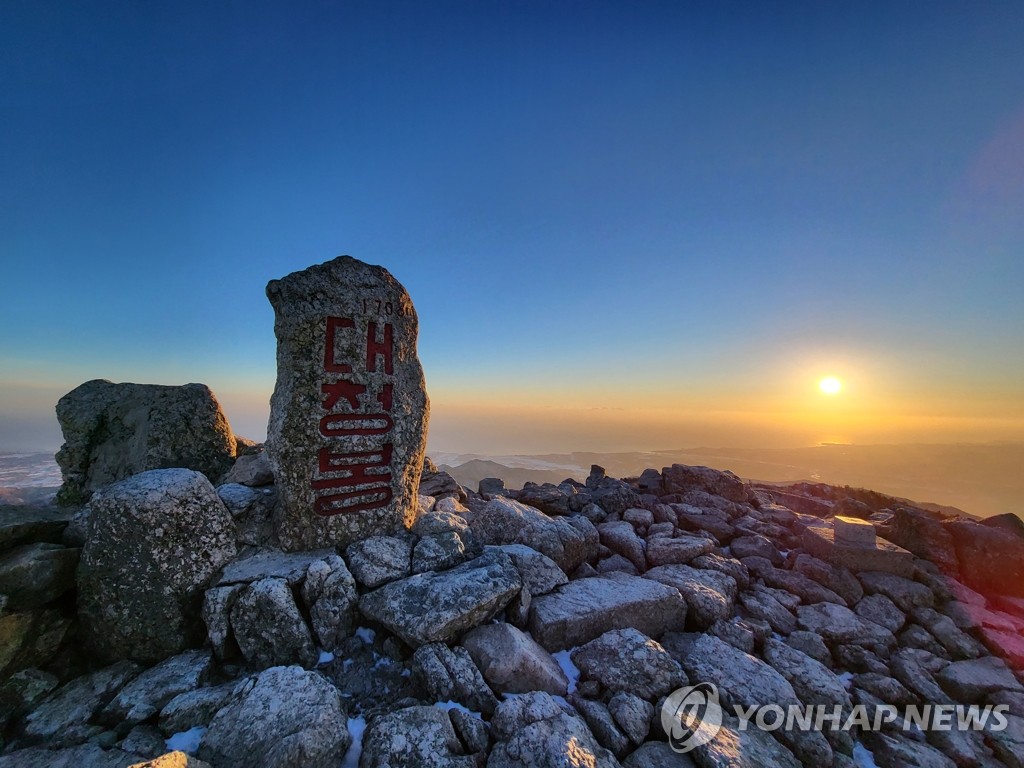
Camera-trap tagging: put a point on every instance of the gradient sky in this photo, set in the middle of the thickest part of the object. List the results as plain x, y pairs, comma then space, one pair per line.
624, 225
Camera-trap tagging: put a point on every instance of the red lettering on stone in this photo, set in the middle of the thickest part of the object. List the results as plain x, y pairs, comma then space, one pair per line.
357, 462
352, 501
355, 424
376, 348
330, 364
342, 389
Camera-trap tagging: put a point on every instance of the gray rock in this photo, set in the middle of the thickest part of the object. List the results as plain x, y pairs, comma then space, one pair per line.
991, 559
471, 730
682, 549
539, 572
330, 595
30, 638
755, 546
268, 627
533, 731
839, 580
438, 552
627, 660
438, 607
251, 469
709, 595
621, 538
838, 625
958, 644
84, 756
658, 754
762, 605
906, 594
617, 564
445, 517
812, 681
736, 632
882, 611
730, 566
734, 747
811, 644
349, 409
216, 612
113, 431
147, 693
195, 708
144, 740
916, 636
63, 717
641, 519
379, 559
1008, 743
28, 525
586, 608
22, 691
414, 737
449, 674
440, 485
680, 478
513, 662
915, 669
632, 714
746, 680
504, 521
285, 717
271, 564
253, 512
970, 682
889, 749
155, 541
808, 590
601, 724
33, 575
613, 496
887, 689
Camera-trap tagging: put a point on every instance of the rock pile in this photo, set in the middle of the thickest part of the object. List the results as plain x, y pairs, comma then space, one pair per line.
165, 624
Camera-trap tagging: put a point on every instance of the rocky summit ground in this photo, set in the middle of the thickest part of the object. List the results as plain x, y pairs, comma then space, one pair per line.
543, 626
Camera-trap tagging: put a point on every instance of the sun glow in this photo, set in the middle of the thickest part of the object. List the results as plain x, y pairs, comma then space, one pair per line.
830, 385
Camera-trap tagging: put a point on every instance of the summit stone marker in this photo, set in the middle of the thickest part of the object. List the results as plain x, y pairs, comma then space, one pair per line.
348, 418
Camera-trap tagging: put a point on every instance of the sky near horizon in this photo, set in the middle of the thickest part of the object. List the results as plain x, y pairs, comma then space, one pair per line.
625, 226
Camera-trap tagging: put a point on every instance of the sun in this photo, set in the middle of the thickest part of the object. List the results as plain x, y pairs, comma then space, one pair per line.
830, 385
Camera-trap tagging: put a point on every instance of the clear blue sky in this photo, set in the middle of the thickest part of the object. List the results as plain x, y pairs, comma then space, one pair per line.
688, 207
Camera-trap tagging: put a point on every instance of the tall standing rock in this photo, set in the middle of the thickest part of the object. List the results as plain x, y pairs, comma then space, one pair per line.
113, 431
348, 418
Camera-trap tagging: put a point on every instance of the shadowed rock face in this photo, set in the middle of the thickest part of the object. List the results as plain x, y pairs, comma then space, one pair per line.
112, 431
348, 418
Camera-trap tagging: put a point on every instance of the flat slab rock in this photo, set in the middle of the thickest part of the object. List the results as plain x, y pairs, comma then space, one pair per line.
271, 563
439, 606
584, 609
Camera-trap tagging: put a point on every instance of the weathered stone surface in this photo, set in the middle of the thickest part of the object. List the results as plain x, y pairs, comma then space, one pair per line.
377, 560
195, 708
145, 741
449, 674
252, 470
837, 624
414, 737
437, 607
154, 541
504, 521
882, 611
271, 564
991, 559
853, 532
890, 749
349, 412
113, 431
755, 546
748, 681
632, 714
513, 662
62, 718
147, 694
627, 660
540, 573
581, 610
285, 717
921, 533
329, 593
795, 583
620, 537
709, 595
269, 628
905, 593
680, 478
83, 756
839, 580
601, 724
968, 682
30, 638
611, 495
533, 731
761, 604
22, 691
958, 644
28, 525
682, 549
173, 760
35, 574
216, 612
734, 747
819, 540
437, 552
